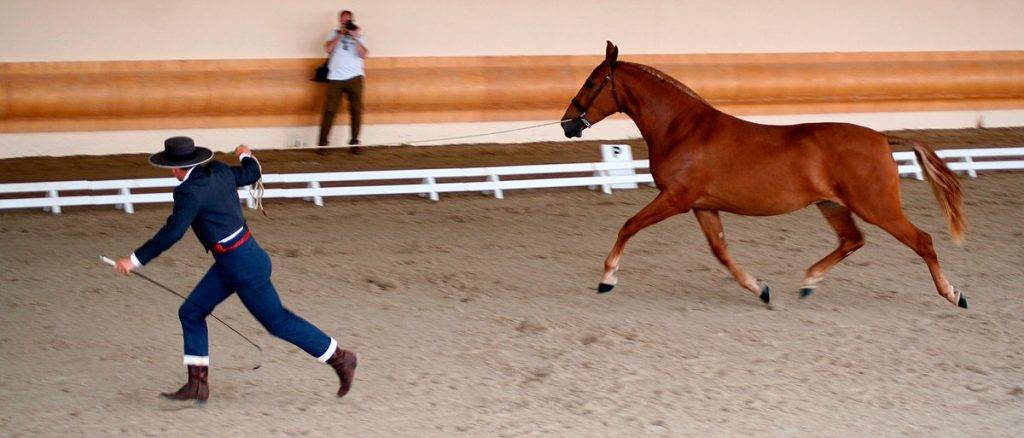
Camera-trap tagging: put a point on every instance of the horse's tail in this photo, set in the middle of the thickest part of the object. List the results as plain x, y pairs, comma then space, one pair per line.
945, 186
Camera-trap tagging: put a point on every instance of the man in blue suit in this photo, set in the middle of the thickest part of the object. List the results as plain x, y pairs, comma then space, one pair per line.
207, 201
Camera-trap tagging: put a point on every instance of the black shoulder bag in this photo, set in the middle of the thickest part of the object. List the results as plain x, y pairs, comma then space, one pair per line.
320, 75
321, 72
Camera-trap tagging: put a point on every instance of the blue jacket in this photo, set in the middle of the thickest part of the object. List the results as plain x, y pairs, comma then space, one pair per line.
208, 202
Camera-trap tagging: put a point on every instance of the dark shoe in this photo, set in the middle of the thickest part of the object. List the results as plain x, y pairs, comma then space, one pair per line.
197, 387
344, 363
354, 148
322, 143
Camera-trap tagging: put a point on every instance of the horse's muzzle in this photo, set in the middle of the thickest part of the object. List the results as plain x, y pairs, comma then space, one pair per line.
574, 127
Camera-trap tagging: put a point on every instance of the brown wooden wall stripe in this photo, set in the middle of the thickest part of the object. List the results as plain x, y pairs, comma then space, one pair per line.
120, 95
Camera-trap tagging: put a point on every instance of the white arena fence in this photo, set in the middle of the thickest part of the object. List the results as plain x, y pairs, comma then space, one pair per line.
424, 182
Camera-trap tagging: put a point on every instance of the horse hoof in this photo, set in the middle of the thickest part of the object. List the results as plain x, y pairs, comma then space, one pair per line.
766, 294
604, 288
962, 302
806, 292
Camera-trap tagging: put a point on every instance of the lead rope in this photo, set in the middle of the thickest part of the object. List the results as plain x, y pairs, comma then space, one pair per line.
430, 140
256, 190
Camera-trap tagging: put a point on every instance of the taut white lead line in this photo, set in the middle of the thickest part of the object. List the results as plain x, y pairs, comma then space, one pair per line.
430, 140
256, 190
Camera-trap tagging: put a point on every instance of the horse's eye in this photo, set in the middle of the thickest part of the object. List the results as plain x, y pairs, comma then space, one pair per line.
587, 84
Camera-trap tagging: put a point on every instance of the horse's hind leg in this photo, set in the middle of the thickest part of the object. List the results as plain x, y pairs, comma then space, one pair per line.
921, 243
662, 207
886, 213
711, 224
850, 240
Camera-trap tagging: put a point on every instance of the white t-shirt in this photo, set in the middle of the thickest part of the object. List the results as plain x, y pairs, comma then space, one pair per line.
345, 61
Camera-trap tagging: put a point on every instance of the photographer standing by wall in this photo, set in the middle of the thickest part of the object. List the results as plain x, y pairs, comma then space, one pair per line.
347, 50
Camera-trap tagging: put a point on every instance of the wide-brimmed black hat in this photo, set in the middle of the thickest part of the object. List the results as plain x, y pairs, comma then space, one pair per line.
180, 152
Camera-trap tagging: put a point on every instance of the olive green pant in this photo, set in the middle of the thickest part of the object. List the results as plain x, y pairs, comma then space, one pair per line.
353, 88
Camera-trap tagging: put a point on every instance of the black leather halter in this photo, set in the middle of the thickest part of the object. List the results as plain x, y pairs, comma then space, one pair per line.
609, 78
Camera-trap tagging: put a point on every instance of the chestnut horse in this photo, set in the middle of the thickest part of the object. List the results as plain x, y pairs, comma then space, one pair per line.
707, 161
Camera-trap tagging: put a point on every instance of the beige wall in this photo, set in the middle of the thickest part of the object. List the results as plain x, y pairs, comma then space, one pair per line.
95, 30
134, 95
53, 30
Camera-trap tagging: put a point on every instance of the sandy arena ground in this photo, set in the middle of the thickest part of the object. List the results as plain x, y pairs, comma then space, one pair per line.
476, 316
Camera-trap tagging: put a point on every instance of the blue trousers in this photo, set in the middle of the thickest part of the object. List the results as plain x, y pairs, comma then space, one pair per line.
245, 270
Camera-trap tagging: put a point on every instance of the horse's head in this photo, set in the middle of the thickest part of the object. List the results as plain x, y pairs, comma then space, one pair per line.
597, 99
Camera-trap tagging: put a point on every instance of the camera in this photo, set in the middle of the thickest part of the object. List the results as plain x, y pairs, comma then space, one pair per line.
351, 26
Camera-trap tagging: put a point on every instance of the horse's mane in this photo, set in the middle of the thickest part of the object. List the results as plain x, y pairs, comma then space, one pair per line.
658, 74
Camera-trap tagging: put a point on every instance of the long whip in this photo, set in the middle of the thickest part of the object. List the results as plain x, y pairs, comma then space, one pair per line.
259, 363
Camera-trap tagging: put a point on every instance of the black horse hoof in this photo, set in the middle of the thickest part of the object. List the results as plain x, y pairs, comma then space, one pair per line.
806, 292
604, 288
962, 302
766, 293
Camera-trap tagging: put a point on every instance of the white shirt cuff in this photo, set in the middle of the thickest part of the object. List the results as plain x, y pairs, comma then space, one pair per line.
244, 155
135, 261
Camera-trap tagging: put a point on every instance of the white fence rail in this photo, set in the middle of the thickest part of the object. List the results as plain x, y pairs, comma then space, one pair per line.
963, 160
425, 182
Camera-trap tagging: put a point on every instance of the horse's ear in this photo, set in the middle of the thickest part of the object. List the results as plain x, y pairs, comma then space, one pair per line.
611, 54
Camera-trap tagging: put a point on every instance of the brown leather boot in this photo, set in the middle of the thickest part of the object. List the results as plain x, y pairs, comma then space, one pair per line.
344, 363
197, 387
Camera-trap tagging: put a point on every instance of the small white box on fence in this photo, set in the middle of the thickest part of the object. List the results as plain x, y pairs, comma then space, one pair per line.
615, 153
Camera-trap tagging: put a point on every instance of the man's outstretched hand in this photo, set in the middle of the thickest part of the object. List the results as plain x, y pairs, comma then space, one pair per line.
124, 265
242, 149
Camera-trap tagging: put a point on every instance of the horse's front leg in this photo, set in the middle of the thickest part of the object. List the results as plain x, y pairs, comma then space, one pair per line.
663, 206
711, 225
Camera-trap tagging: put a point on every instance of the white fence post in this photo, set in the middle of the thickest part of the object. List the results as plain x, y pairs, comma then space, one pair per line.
430, 181
128, 206
970, 167
606, 188
317, 200
55, 209
433, 194
498, 193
